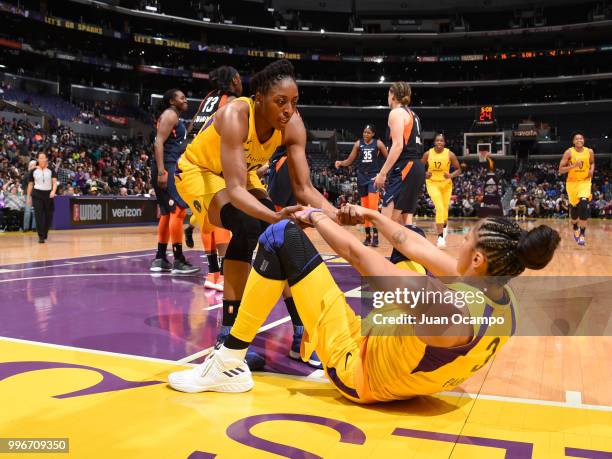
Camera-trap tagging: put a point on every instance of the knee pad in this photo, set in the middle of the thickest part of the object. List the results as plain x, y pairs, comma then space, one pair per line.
583, 209
245, 231
397, 256
285, 252
574, 212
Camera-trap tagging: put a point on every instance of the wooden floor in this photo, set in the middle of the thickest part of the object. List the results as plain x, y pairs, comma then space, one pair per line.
531, 367
594, 259
573, 370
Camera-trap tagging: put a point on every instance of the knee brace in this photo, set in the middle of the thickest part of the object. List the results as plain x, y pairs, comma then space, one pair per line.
285, 252
397, 256
245, 231
583, 209
573, 212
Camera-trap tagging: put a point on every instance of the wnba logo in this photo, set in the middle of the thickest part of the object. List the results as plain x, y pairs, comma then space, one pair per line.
86, 212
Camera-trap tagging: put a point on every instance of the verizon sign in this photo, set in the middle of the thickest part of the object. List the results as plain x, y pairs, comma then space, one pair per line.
96, 211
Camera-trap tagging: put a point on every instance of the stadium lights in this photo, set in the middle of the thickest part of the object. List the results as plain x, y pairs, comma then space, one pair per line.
357, 29
282, 27
206, 19
153, 9
305, 28
270, 10
322, 30
382, 79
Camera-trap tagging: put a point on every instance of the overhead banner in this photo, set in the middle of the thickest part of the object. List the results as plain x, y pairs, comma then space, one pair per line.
276, 54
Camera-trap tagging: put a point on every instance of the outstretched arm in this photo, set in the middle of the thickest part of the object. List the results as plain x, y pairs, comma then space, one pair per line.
299, 171
411, 244
386, 277
365, 260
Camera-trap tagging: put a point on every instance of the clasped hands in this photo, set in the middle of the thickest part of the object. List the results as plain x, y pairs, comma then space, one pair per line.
349, 214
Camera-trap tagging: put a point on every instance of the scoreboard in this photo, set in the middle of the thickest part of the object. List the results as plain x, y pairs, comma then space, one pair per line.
486, 115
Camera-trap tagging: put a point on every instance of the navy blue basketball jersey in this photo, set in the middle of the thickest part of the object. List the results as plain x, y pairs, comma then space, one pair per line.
413, 145
175, 143
213, 101
367, 160
279, 183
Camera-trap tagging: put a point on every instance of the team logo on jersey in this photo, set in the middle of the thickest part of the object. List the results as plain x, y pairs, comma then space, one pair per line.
197, 205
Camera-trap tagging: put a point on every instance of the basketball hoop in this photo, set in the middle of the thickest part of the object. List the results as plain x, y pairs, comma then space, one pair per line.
484, 150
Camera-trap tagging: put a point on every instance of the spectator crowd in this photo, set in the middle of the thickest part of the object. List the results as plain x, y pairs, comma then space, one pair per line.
108, 168
116, 167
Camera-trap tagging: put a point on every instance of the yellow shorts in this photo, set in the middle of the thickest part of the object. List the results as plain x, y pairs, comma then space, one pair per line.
440, 194
333, 330
198, 187
578, 190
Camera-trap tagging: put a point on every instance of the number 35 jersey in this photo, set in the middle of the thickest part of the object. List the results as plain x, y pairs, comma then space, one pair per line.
398, 367
367, 163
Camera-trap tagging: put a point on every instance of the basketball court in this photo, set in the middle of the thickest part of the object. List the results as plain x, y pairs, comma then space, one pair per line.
89, 336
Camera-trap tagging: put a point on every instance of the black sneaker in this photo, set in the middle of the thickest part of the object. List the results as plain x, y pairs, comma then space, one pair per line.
189, 236
368, 240
160, 265
183, 267
375, 241
41, 240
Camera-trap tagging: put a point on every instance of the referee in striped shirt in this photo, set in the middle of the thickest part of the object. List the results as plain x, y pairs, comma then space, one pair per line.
42, 183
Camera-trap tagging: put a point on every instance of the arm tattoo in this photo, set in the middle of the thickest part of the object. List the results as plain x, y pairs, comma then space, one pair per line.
399, 237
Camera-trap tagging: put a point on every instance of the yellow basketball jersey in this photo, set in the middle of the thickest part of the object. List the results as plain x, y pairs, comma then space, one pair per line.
438, 164
579, 173
205, 150
399, 367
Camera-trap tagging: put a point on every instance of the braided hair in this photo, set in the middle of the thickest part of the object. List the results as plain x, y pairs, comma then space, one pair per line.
271, 74
402, 92
221, 78
509, 249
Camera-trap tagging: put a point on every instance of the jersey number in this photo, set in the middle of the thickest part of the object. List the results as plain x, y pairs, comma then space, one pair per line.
493, 347
438, 164
417, 137
367, 157
210, 104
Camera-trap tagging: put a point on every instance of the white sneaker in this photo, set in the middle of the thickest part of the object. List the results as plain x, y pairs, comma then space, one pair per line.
213, 375
211, 284
441, 243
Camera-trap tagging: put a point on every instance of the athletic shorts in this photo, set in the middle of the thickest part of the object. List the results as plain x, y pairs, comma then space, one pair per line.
336, 335
578, 190
199, 186
167, 198
365, 185
404, 186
